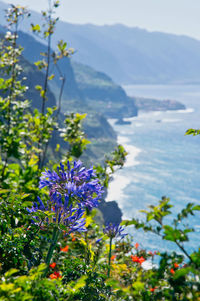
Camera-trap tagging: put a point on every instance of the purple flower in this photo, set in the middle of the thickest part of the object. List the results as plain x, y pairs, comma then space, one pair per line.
73, 219
71, 190
98, 240
37, 206
70, 217
74, 185
114, 231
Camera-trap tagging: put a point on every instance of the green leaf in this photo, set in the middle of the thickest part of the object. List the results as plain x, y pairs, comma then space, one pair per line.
35, 28
10, 273
38, 87
25, 195
193, 132
183, 272
127, 223
51, 77
4, 191
197, 207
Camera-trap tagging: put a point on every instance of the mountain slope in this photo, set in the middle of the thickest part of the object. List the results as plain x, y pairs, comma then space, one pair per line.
97, 128
132, 55
85, 88
129, 55
102, 94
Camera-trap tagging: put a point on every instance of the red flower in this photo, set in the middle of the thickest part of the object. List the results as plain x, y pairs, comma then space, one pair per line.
137, 259
172, 271
65, 249
113, 257
55, 275
153, 289
72, 236
150, 253
52, 265
176, 265
136, 245
141, 260
52, 276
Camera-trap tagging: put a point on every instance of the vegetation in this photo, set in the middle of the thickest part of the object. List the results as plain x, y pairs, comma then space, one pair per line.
53, 244
102, 94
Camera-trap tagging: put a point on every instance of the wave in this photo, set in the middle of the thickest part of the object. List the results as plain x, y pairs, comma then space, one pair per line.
133, 151
170, 120
189, 110
116, 187
120, 182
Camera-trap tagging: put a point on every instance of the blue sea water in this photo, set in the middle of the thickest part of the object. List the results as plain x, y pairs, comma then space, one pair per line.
162, 161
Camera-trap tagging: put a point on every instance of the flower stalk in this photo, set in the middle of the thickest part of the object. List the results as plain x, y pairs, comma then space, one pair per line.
109, 257
55, 236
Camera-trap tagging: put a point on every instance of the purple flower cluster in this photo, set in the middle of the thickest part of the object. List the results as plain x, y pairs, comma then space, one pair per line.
114, 231
75, 185
71, 218
70, 192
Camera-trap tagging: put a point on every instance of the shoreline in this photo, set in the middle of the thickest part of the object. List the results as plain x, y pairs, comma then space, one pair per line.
120, 182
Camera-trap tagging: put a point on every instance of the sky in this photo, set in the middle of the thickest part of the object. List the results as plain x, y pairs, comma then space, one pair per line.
172, 16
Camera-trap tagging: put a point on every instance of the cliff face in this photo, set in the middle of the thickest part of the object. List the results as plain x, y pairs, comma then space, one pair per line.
32, 50
102, 94
111, 212
85, 89
33, 78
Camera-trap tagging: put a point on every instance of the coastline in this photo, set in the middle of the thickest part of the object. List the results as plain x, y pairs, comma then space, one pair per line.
119, 181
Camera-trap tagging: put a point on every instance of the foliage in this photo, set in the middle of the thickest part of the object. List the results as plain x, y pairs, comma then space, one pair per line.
74, 134
193, 132
29, 287
112, 163
50, 246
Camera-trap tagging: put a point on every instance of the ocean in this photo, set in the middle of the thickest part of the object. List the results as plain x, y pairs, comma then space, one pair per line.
162, 161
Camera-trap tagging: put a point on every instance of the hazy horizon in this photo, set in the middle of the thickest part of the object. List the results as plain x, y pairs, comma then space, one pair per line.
172, 16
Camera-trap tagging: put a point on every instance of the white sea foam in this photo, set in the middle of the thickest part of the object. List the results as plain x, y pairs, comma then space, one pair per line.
170, 120
122, 140
133, 151
116, 187
137, 124
156, 113
120, 182
112, 121
189, 110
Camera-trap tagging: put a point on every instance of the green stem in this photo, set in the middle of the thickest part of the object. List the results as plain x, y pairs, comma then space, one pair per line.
51, 248
109, 256
87, 252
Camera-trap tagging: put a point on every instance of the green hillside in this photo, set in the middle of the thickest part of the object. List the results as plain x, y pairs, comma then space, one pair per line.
102, 94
